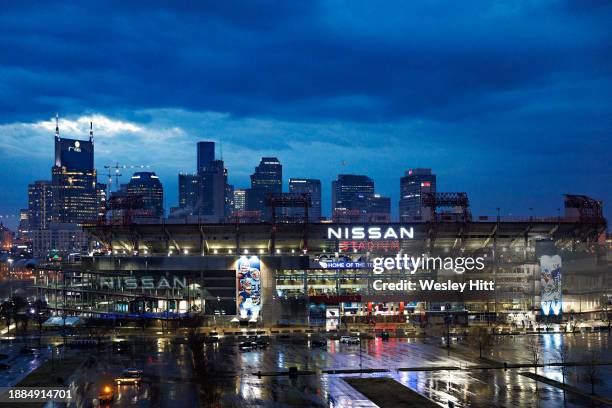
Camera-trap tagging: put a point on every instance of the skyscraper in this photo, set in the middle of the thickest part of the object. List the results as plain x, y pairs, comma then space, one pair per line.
379, 209
206, 156
146, 184
211, 194
40, 204
239, 199
413, 185
188, 187
73, 180
350, 194
267, 179
102, 199
23, 231
229, 198
309, 186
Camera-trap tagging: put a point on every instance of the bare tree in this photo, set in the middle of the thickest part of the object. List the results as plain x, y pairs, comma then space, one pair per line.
6, 313
535, 351
591, 370
480, 337
562, 356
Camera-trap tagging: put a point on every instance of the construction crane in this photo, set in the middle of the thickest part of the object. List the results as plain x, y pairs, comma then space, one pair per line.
114, 170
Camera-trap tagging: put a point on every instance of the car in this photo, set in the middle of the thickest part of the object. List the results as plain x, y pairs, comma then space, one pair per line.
349, 340
246, 346
27, 350
384, 335
4, 366
129, 376
318, 343
106, 394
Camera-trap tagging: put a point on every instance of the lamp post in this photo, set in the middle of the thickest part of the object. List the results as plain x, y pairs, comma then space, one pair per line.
10, 276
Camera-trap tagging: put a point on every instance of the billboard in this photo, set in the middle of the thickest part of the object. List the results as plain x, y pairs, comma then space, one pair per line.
550, 283
248, 287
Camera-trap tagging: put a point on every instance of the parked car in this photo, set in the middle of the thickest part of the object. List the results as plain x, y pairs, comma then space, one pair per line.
246, 346
349, 340
129, 376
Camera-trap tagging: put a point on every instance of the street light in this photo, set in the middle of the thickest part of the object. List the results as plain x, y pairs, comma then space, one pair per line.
10, 277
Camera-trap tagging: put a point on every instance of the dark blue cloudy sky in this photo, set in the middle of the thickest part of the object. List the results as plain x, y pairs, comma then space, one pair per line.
509, 101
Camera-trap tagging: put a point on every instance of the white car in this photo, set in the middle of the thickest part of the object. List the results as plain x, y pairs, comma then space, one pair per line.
349, 340
129, 376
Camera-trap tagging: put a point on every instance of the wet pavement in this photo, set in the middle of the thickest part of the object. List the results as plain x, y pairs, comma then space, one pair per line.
169, 374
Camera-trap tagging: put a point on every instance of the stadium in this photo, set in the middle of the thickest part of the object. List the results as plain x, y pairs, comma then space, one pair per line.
322, 273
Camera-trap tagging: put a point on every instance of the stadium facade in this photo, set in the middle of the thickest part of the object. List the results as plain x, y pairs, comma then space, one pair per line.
322, 273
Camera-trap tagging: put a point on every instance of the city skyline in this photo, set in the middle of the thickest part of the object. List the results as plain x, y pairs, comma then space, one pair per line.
171, 198
501, 101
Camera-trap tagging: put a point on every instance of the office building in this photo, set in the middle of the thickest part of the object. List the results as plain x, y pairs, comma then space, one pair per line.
205, 196
414, 184
211, 194
40, 204
267, 179
146, 186
206, 156
101, 192
188, 188
229, 198
59, 239
378, 209
240, 199
73, 181
311, 187
350, 194
23, 230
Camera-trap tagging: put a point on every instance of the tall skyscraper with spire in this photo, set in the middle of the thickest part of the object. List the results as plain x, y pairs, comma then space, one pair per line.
73, 180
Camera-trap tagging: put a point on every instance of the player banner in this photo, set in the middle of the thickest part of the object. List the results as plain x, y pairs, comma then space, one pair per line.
550, 281
248, 275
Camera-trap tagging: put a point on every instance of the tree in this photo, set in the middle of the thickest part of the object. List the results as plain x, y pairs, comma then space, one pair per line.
20, 313
591, 370
535, 351
562, 356
480, 337
6, 312
41, 313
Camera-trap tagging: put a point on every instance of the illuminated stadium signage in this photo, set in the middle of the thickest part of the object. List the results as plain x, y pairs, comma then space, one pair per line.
369, 233
145, 282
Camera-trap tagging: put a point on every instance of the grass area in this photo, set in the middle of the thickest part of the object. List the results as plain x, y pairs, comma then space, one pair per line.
51, 374
388, 393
